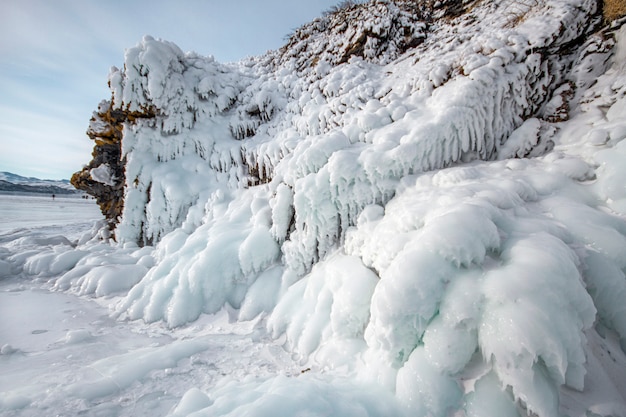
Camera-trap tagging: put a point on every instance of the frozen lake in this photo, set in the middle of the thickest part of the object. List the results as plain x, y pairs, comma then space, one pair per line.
34, 211
65, 354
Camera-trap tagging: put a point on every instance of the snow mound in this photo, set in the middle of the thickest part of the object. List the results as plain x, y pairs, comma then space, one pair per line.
302, 395
201, 272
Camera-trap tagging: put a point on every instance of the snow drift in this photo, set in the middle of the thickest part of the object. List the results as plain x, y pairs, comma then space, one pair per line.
425, 198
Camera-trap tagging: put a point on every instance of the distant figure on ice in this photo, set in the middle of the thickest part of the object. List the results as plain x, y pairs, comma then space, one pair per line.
53, 196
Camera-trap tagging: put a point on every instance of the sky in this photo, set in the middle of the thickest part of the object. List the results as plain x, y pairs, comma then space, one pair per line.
55, 56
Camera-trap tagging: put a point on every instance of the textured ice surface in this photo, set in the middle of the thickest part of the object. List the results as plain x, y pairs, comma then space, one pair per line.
421, 233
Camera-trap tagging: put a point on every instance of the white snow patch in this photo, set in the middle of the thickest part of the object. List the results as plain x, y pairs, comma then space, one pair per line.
103, 174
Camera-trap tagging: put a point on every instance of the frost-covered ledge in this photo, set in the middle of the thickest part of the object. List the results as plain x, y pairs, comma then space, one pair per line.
445, 99
447, 223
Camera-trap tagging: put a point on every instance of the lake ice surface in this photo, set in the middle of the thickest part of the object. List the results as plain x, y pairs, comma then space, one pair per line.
64, 355
30, 211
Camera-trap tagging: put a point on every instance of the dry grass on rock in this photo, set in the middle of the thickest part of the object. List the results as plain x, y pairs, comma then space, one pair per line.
614, 9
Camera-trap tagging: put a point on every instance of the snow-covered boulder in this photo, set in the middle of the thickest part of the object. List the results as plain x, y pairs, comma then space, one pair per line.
424, 196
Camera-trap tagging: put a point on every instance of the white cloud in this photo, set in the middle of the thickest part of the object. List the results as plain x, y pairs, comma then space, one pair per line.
36, 143
55, 56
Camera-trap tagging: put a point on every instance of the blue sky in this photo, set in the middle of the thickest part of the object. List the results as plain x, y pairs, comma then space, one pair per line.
55, 56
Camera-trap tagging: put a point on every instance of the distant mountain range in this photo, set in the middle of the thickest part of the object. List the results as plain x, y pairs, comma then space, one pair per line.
17, 183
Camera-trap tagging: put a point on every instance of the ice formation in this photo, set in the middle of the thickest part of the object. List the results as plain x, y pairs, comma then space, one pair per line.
428, 199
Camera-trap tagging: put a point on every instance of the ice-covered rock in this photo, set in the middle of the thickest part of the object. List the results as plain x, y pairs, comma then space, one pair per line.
427, 196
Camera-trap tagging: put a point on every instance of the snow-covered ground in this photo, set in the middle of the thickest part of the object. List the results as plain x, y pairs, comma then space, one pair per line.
43, 210
66, 355
436, 231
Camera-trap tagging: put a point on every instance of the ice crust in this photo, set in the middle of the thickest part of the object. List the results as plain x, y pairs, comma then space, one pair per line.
412, 221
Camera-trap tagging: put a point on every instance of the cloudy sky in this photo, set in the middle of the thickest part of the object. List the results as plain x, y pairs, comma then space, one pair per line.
55, 56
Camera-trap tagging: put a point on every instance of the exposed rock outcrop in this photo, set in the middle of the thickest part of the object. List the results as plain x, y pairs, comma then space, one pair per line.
104, 176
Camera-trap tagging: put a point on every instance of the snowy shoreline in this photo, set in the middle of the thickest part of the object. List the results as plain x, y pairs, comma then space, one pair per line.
433, 226
43, 195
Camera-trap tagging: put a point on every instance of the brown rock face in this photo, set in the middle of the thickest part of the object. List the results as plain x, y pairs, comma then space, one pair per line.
105, 129
614, 9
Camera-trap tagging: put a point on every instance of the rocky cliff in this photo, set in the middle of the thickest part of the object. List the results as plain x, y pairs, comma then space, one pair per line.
103, 177
362, 71
427, 195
